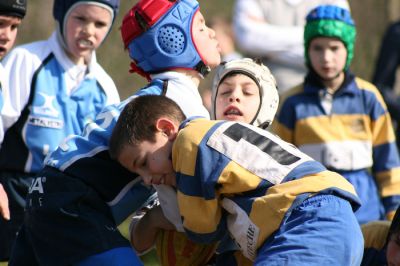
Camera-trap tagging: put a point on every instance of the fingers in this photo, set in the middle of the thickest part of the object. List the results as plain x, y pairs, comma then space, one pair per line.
4, 209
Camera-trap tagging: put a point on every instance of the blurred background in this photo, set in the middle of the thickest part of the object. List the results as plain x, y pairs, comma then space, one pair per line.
371, 17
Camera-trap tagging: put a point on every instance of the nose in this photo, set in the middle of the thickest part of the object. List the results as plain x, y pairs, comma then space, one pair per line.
5, 34
88, 28
234, 97
211, 33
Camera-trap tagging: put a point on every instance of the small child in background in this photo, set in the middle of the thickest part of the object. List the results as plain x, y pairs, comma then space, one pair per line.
84, 189
341, 120
232, 176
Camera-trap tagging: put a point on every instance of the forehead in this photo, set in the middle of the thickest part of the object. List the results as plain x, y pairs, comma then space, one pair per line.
10, 19
326, 41
198, 17
234, 78
90, 8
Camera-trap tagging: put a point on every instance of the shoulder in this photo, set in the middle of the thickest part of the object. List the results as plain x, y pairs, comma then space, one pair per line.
370, 89
31, 53
375, 234
107, 84
290, 97
195, 130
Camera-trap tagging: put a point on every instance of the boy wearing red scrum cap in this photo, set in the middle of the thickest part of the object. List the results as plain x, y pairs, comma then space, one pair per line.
81, 188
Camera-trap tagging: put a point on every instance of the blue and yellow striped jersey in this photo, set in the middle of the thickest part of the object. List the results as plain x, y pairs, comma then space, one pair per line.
348, 131
239, 177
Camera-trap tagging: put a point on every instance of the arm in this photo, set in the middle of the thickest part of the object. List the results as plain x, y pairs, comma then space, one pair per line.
4, 210
144, 230
284, 124
18, 66
386, 162
385, 70
259, 37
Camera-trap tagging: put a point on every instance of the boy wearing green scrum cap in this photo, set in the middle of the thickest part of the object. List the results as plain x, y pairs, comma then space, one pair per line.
340, 119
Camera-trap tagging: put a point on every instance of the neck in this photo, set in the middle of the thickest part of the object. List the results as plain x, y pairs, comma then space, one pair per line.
335, 83
190, 73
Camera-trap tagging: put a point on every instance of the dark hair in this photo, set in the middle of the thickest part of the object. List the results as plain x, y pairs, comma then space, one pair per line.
137, 121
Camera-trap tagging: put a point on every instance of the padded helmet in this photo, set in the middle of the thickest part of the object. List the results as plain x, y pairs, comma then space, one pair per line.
330, 21
157, 34
269, 98
61, 9
15, 8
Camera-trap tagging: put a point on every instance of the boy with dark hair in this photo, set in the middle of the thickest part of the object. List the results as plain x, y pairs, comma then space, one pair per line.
81, 188
231, 176
341, 120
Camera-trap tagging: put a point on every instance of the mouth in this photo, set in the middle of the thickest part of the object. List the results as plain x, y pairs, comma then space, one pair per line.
232, 112
85, 44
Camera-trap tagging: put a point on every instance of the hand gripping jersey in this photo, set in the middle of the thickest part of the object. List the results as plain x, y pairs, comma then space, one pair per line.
239, 177
86, 157
47, 101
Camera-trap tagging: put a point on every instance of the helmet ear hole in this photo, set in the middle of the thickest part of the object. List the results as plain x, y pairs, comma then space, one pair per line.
171, 39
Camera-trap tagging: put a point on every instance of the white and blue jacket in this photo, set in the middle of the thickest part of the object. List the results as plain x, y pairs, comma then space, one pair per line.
86, 156
48, 98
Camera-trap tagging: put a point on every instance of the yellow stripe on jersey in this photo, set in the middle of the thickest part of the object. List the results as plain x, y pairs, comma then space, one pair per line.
382, 130
236, 179
279, 198
193, 210
365, 85
389, 182
335, 128
191, 146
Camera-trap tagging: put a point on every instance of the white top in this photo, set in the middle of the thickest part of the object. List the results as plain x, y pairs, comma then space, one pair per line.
21, 65
273, 30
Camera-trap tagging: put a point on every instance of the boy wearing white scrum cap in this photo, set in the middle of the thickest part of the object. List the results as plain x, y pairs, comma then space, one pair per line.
244, 90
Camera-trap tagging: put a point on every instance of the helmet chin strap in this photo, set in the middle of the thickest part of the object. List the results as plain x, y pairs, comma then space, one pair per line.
203, 69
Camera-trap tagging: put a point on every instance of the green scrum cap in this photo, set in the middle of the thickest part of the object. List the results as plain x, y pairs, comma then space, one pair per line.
330, 21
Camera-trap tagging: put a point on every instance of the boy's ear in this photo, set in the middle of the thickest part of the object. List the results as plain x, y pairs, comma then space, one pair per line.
167, 126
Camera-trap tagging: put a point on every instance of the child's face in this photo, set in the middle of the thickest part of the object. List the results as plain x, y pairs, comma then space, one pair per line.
238, 99
8, 33
328, 57
151, 160
205, 41
393, 250
86, 27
